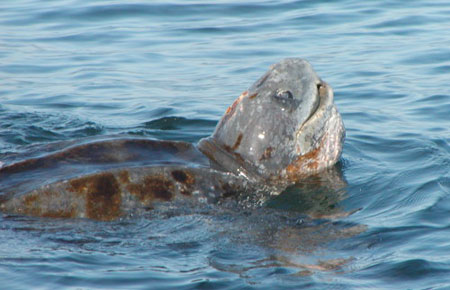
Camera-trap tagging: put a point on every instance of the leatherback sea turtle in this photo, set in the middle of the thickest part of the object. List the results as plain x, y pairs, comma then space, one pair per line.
284, 128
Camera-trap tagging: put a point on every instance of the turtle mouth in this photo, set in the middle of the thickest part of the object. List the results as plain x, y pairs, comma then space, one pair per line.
324, 96
319, 139
322, 93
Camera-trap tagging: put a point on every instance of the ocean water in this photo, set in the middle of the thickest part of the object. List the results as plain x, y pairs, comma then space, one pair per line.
168, 70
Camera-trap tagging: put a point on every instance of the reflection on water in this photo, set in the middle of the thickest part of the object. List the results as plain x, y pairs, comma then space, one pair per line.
291, 231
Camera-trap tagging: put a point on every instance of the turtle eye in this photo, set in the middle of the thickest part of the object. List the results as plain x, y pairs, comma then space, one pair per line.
284, 94
286, 99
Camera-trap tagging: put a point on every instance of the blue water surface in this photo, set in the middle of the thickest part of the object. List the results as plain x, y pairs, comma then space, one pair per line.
72, 69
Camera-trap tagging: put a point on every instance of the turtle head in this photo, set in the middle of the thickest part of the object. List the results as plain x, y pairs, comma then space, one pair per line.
285, 126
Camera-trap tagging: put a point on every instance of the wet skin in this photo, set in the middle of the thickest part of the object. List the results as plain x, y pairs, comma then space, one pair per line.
284, 127
281, 130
